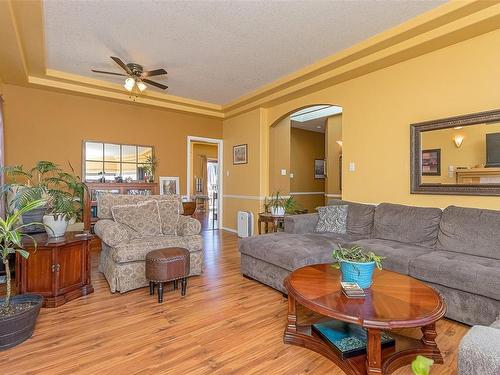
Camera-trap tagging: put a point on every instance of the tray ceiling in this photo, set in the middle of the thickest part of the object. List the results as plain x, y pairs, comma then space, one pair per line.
213, 51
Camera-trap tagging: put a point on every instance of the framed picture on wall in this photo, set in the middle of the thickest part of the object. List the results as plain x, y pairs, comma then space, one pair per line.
319, 168
169, 186
431, 162
240, 154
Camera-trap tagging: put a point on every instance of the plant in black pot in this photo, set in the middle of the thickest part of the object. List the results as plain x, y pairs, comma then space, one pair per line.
18, 314
356, 264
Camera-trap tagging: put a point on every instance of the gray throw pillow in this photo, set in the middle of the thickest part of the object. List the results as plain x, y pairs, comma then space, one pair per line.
332, 219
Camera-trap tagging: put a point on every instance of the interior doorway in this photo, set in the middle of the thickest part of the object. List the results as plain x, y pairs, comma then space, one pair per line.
204, 180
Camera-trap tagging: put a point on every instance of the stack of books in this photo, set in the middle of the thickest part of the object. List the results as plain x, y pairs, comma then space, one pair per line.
352, 290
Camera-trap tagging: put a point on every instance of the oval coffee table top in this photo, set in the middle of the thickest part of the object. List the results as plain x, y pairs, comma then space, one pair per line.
393, 300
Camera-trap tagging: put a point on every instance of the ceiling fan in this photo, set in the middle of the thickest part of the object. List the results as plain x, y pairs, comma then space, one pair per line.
136, 76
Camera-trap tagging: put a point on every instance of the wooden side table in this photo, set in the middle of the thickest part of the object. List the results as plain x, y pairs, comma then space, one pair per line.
266, 218
59, 269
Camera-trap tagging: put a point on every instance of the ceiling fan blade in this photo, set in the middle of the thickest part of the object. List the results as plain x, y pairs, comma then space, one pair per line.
115, 74
156, 72
159, 85
122, 64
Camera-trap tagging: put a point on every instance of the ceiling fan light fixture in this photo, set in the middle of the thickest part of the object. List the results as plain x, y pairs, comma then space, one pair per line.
141, 86
129, 84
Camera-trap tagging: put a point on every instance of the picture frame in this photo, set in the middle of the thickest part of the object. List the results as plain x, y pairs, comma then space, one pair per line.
319, 168
169, 186
240, 154
431, 162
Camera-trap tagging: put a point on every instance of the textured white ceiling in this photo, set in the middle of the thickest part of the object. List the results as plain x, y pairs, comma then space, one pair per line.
214, 51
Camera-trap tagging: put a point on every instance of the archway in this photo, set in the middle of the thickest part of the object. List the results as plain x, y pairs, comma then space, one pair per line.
305, 148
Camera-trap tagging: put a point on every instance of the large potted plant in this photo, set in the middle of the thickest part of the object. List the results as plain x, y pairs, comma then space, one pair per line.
18, 314
356, 264
61, 208
63, 193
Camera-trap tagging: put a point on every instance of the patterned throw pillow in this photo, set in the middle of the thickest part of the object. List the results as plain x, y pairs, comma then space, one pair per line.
143, 218
332, 219
169, 215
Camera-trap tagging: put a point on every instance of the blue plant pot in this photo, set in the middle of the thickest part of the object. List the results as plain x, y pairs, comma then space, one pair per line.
361, 273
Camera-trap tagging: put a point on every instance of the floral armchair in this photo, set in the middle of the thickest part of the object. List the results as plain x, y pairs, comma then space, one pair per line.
130, 226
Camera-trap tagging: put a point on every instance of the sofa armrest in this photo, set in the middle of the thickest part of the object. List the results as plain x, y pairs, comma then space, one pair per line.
479, 351
111, 232
188, 226
301, 224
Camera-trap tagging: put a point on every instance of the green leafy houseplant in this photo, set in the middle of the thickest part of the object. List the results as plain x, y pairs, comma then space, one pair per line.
279, 205
356, 264
63, 192
150, 168
11, 242
356, 254
421, 365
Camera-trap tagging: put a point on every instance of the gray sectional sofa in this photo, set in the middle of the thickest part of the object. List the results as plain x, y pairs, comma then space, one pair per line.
455, 250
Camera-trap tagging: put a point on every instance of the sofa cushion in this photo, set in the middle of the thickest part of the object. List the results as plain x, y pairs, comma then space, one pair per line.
137, 249
398, 255
143, 217
413, 225
469, 273
169, 215
332, 219
107, 200
359, 217
292, 251
471, 231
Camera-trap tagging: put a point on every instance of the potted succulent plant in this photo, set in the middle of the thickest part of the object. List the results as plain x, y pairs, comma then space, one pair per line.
18, 314
356, 264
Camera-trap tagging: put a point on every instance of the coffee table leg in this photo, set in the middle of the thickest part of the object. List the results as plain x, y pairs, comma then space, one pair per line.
374, 351
292, 315
429, 335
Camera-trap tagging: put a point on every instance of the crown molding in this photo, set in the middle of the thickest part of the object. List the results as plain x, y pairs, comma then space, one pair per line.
23, 57
443, 26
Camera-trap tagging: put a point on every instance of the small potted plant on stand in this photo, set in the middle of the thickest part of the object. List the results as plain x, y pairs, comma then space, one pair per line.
356, 264
18, 314
277, 204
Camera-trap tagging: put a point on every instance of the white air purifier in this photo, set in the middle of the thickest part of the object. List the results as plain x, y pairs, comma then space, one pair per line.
245, 223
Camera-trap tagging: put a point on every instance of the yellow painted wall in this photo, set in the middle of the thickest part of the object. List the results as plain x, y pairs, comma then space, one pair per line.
333, 152
471, 154
279, 157
197, 151
379, 107
305, 147
244, 184
42, 124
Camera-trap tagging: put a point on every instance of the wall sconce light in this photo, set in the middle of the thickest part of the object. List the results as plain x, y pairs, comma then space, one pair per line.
458, 139
339, 143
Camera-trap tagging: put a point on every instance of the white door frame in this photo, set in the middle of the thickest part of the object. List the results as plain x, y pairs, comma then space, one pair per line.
220, 181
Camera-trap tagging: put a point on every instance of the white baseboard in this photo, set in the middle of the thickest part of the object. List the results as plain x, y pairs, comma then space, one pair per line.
229, 229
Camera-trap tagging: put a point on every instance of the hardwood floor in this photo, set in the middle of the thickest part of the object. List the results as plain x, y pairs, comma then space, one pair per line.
225, 325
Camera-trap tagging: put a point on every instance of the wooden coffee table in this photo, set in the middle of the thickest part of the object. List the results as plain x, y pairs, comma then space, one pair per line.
393, 301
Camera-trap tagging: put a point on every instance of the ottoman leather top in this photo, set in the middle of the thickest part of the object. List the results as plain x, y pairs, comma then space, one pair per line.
167, 264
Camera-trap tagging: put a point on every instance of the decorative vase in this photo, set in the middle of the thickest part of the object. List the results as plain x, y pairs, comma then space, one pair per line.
278, 211
360, 273
14, 329
55, 227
